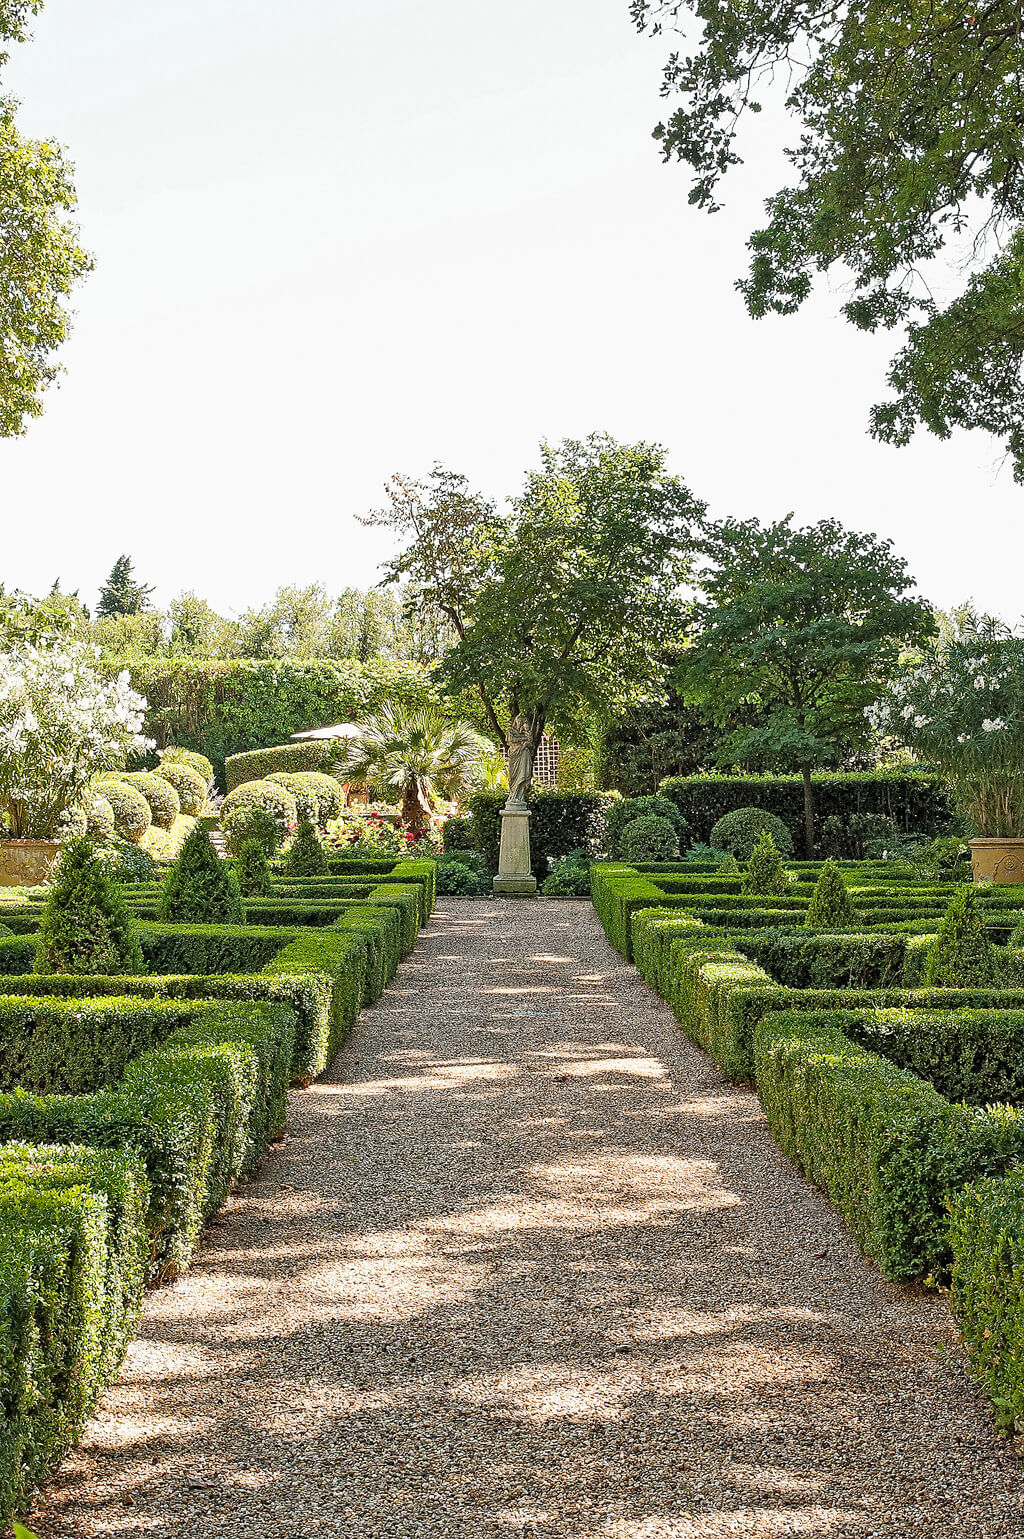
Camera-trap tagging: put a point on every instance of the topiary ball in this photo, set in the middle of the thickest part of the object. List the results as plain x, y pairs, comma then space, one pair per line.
307, 803
621, 813
163, 800
195, 761
739, 831
262, 796
129, 809
189, 784
648, 839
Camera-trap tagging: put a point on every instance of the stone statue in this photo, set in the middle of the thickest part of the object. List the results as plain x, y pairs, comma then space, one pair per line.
521, 755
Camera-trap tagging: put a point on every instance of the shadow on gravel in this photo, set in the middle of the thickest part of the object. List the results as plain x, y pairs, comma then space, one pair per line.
539, 1273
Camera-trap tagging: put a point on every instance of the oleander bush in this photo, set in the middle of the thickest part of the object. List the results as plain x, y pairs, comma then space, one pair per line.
738, 832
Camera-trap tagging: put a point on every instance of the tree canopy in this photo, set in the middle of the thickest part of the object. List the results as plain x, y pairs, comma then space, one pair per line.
122, 593
909, 148
40, 257
567, 602
805, 626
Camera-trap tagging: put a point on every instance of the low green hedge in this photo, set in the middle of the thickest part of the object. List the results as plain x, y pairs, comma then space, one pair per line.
986, 1231
173, 1109
211, 948
72, 1252
886, 1147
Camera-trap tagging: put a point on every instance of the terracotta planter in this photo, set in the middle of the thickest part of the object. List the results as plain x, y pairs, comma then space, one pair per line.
26, 862
998, 860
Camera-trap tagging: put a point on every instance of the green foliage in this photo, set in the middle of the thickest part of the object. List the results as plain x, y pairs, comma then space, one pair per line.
886, 1147
631, 807
124, 861
807, 624
457, 878
569, 877
831, 907
122, 594
765, 873
99, 817
306, 855
917, 803
649, 838
187, 782
739, 832
875, 193
85, 927
986, 1232
192, 760
200, 888
130, 809
562, 821
159, 793
252, 870
419, 756
962, 955
247, 813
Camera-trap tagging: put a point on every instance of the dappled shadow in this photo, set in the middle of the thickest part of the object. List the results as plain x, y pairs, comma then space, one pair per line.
536, 1273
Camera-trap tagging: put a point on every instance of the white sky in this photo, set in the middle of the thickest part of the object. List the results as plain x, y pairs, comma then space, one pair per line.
335, 240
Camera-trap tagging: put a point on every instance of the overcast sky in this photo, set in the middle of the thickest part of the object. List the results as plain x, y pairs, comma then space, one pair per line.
336, 240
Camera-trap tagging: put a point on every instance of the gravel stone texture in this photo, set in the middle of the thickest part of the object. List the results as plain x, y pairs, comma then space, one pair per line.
526, 1265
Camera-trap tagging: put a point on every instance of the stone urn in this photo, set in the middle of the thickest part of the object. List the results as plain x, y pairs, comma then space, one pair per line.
997, 861
26, 862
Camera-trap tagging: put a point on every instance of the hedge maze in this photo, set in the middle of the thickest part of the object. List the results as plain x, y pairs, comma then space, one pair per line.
129, 1105
903, 1103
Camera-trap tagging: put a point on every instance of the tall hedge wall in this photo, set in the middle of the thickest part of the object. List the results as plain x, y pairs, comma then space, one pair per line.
223, 708
917, 802
562, 821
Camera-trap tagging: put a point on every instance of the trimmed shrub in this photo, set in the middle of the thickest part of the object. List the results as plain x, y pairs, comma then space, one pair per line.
765, 874
318, 755
252, 870
457, 835
918, 803
831, 907
739, 831
329, 792
126, 862
192, 760
568, 878
245, 812
986, 1233
307, 803
648, 839
159, 793
99, 817
306, 855
187, 782
962, 956
85, 926
166, 844
200, 888
621, 813
129, 808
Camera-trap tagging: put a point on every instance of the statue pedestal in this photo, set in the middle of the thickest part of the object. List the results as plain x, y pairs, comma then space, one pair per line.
514, 878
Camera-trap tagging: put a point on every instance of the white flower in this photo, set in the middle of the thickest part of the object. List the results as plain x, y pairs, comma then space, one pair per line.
995, 725
979, 682
907, 712
920, 721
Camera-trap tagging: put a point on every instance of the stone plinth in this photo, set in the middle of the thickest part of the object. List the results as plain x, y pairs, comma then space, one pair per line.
514, 878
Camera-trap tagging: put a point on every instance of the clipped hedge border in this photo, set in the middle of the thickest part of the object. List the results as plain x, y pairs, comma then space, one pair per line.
986, 1231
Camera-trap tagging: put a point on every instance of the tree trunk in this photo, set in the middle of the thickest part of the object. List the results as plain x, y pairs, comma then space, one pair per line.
805, 771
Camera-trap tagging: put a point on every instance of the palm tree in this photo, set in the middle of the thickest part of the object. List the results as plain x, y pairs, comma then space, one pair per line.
420, 754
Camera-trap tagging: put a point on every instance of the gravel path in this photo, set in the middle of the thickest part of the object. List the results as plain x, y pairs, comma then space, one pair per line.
526, 1266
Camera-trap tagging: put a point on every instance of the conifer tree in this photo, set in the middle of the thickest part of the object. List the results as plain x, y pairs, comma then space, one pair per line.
765, 872
86, 927
121, 594
831, 907
200, 888
962, 957
306, 856
252, 868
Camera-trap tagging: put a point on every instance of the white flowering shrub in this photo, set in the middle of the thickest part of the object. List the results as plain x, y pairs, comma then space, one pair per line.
960, 707
61, 723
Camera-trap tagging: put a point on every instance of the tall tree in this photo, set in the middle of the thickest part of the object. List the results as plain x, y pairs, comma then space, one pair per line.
804, 626
566, 602
40, 257
122, 594
910, 121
